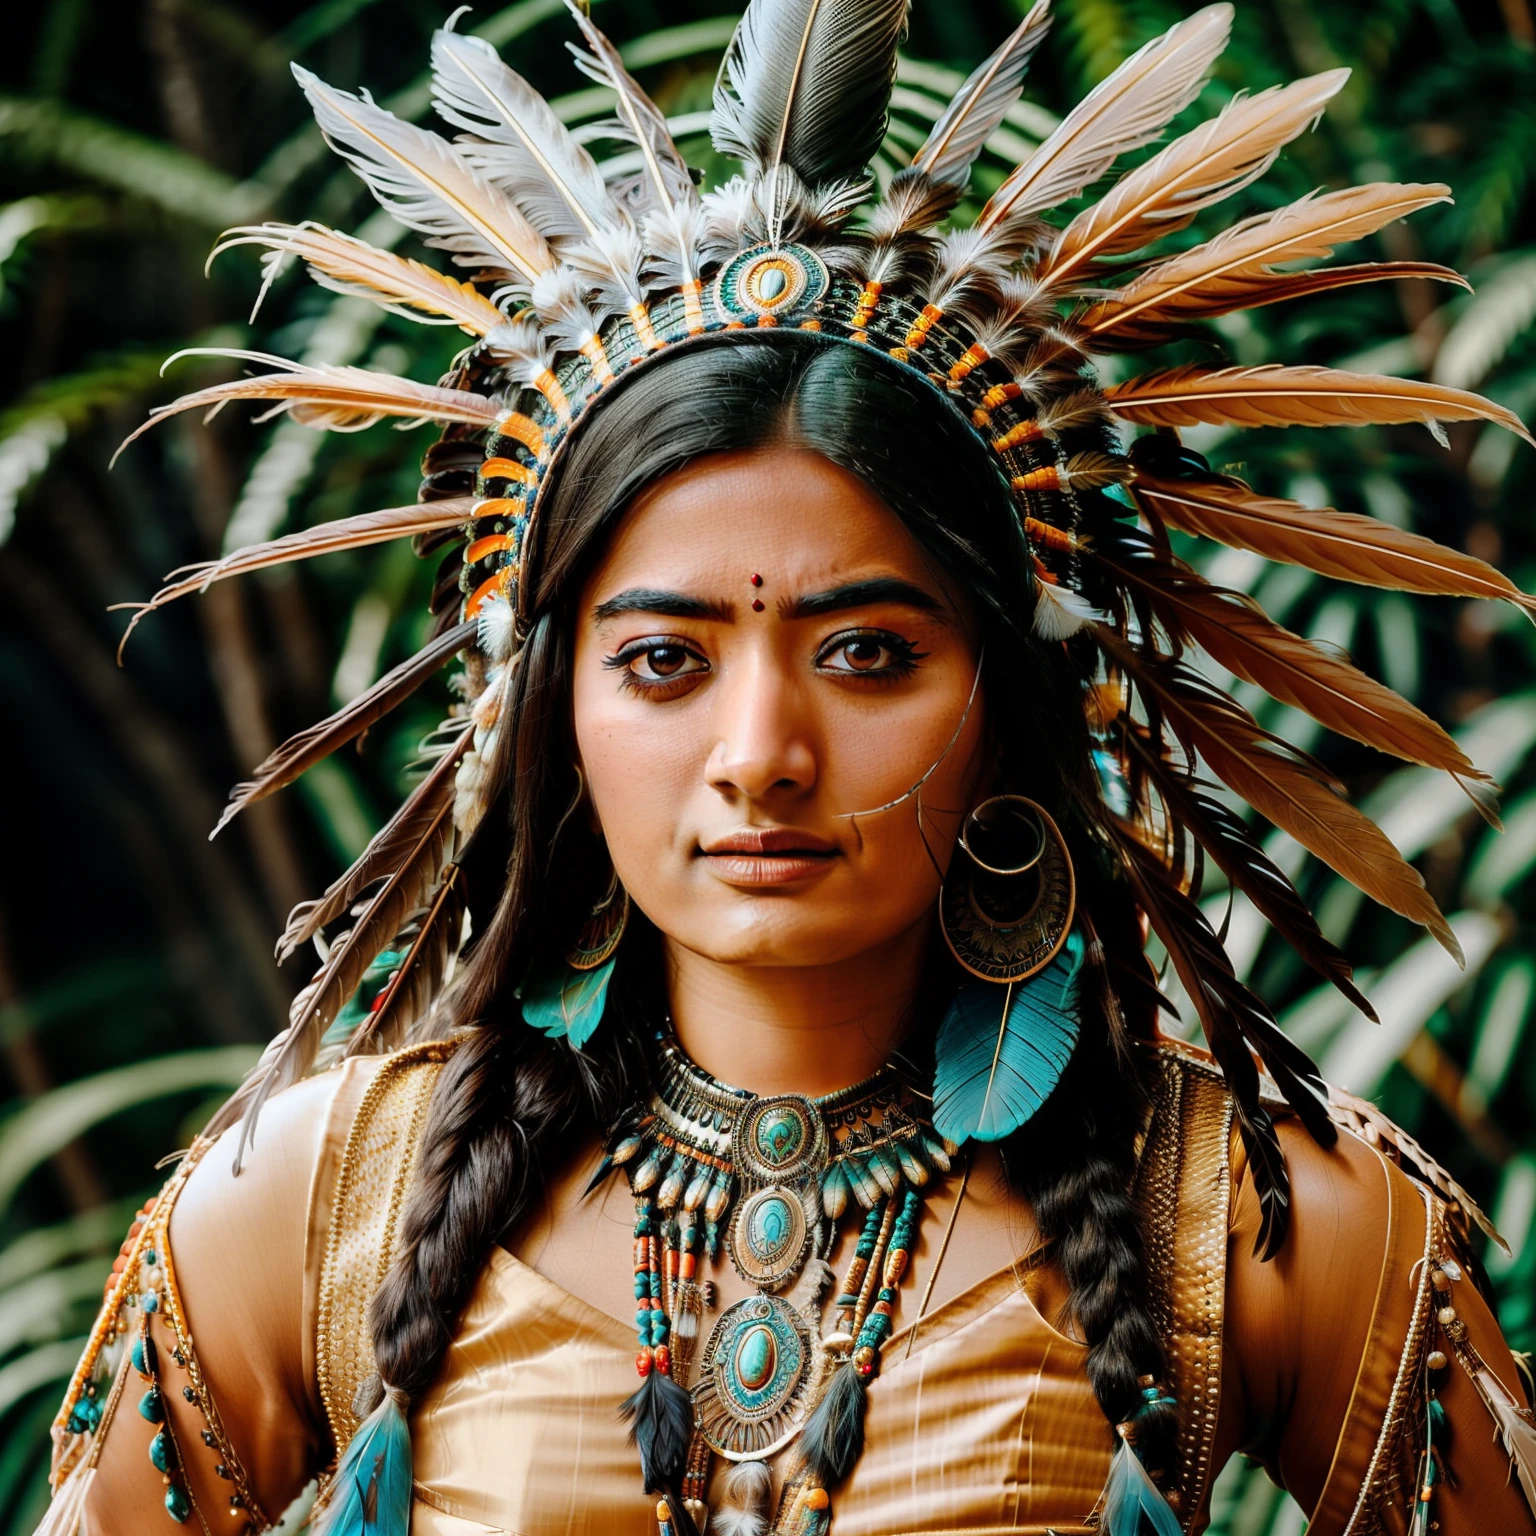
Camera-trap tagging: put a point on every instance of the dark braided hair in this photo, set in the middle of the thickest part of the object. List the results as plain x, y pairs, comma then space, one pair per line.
507, 1090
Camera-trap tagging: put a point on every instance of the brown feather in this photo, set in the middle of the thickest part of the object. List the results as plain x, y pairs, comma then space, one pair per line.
1112, 330
981, 104
1120, 114
326, 397
304, 544
1282, 785
1238, 634
1226, 1009
349, 266
1239, 262
384, 853
310, 746
1344, 545
1234, 849
1200, 168
293, 1051
1274, 395
434, 945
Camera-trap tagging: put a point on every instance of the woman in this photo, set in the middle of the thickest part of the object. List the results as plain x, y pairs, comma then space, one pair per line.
828, 752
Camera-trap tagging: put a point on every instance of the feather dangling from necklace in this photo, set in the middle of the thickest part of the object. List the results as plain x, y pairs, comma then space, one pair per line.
748, 1486
1001, 1050
660, 1418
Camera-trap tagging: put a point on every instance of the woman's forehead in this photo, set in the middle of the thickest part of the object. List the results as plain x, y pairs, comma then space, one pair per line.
786, 515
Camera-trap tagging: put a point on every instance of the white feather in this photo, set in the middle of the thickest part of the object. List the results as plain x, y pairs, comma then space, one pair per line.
1061, 612
520, 145
426, 184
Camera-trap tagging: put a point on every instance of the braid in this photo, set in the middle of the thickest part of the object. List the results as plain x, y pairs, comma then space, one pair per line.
1075, 1162
499, 1099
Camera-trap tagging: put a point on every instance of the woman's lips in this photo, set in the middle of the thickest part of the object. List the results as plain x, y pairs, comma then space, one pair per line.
769, 856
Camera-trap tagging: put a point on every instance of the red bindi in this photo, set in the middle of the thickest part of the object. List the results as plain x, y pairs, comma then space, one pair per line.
757, 580
757, 605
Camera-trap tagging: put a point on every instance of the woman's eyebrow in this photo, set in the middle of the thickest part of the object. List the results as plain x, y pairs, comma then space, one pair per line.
862, 594
674, 605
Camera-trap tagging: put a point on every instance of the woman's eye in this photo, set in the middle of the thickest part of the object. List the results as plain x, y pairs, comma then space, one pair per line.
869, 652
654, 663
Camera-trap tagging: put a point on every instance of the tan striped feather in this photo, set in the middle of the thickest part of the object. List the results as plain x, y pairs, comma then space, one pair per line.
1274, 395
352, 267
1236, 268
1346, 546
1201, 168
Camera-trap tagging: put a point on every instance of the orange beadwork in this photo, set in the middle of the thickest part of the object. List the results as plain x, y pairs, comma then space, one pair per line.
663, 1355
492, 543
924, 323
868, 299
1000, 394
1022, 432
895, 1266
974, 356
507, 469
640, 318
521, 429
602, 369
817, 1498
766, 322
693, 310
549, 386
497, 585
810, 325
1050, 536
1047, 478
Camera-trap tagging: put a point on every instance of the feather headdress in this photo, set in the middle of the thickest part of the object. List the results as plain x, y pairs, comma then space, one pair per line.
569, 285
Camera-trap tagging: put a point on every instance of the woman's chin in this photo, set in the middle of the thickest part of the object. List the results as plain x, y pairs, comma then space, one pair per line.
781, 927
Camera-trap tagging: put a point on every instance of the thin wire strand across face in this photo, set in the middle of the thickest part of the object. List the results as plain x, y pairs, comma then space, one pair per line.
937, 763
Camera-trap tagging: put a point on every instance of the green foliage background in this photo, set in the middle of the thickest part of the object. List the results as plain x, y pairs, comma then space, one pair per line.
135, 962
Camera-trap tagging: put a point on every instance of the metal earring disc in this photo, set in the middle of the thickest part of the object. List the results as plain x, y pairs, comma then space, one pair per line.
984, 933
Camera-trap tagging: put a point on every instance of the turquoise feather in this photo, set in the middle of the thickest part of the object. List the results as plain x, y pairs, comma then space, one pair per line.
1133, 1506
994, 1070
372, 1492
569, 1004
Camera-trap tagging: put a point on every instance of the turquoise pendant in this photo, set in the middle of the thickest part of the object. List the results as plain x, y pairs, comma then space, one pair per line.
177, 1505
754, 1374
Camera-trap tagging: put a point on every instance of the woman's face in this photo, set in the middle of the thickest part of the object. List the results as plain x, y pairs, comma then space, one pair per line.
763, 652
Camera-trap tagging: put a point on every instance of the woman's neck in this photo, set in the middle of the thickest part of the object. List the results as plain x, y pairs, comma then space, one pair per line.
783, 1029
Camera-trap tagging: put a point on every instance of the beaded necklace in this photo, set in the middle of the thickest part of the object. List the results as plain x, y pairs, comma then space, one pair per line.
769, 1178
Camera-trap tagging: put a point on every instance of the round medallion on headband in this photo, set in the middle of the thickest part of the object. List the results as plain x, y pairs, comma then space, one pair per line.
769, 281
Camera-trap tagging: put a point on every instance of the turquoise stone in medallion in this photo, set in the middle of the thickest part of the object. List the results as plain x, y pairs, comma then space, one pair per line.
780, 1135
770, 1235
781, 1139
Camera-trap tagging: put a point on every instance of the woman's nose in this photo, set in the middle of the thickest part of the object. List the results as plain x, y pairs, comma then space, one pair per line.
762, 746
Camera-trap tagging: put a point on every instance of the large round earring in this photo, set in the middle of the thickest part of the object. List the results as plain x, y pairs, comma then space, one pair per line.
604, 928
1008, 908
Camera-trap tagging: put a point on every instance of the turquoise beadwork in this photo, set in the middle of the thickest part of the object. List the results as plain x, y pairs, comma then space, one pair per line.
151, 1407
177, 1505
162, 1453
